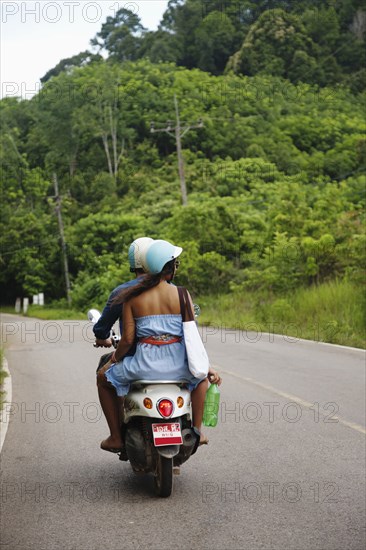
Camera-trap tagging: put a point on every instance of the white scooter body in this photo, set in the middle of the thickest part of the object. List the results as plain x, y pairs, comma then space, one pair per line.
156, 391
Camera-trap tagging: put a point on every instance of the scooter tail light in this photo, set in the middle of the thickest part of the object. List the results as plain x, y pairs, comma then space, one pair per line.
165, 408
148, 403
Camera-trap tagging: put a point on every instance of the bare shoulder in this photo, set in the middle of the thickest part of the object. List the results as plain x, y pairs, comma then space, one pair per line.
161, 299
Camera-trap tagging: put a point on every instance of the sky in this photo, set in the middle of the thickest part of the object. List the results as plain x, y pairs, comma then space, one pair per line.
36, 35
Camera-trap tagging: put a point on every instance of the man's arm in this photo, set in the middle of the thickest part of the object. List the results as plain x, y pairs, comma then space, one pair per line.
110, 314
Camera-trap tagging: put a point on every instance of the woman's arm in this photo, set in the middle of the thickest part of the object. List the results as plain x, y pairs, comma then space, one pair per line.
213, 375
127, 340
129, 333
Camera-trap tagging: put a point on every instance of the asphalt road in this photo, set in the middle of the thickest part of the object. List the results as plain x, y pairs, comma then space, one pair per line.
284, 469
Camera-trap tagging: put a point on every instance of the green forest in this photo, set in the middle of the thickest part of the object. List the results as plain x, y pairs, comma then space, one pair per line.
272, 97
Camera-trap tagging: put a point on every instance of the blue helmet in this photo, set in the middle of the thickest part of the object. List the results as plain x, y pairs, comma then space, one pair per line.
136, 252
158, 254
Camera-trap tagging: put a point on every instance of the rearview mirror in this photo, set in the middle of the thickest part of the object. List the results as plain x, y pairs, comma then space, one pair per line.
197, 310
93, 315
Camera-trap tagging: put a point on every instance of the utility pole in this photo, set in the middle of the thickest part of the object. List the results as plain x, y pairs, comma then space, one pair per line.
179, 131
62, 237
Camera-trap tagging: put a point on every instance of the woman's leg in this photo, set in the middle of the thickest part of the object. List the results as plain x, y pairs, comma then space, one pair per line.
198, 399
111, 408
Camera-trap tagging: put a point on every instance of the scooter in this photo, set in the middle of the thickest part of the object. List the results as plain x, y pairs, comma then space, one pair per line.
156, 427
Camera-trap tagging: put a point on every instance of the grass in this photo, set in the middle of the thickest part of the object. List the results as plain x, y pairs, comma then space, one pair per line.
3, 375
49, 313
332, 312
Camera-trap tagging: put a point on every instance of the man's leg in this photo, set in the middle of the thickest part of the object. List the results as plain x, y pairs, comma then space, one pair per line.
111, 408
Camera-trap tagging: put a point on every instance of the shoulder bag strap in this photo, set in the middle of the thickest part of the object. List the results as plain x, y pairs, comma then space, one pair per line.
182, 303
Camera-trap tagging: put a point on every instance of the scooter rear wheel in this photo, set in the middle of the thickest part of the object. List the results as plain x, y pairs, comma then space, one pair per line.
163, 479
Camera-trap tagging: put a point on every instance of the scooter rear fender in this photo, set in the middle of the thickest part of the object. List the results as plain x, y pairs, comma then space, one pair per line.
168, 451
134, 401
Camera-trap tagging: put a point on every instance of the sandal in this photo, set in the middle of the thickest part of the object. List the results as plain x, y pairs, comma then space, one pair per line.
203, 441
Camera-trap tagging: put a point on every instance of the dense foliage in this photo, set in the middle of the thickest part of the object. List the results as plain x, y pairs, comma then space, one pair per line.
302, 40
275, 176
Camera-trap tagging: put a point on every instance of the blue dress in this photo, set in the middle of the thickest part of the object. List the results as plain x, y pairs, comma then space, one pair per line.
152, 362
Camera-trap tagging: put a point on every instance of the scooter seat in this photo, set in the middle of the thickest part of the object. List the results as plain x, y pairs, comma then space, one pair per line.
150, 382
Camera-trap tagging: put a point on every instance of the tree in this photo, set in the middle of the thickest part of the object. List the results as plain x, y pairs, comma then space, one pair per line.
161, 45
121, 36
54, 108
214, 39
105, 115
276, 43
79, 60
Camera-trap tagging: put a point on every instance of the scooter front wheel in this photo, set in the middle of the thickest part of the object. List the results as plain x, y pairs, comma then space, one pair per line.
163, 479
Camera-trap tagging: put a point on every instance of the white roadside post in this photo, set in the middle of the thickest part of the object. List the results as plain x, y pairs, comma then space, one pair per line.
25, 305
18, 305
41, 299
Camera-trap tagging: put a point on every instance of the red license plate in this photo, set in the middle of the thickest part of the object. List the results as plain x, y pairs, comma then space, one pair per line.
167, 434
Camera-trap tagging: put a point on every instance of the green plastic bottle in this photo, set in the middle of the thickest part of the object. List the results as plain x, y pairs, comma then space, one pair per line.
211, 408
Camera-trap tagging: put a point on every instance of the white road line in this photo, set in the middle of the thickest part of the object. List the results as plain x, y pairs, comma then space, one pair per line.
299, 400
340, 346
7, 388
